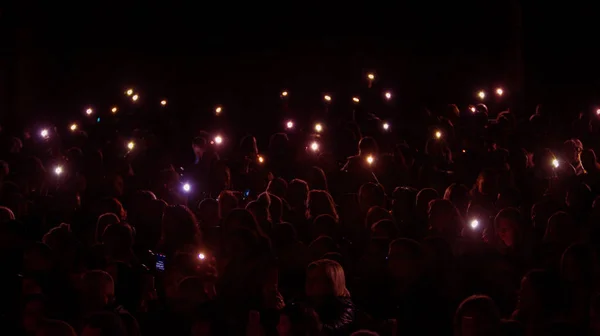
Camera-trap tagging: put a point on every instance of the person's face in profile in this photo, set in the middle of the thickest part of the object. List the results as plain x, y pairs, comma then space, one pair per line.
506, 231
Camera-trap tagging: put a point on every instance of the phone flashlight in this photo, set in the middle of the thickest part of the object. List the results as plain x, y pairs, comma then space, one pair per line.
474, 224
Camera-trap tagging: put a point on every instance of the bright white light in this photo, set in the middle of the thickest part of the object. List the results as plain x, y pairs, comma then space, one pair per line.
388, 95
371, 76
473, 109
58, 170
290, 124
114, 109
386, 126
218, 109
598, 112
438, 134
319, 128
187, 187
474, 224
370, 160
555, 163
131, 145
261, 159
327, 97
163, 102
135, 97
499, 91
201, 256
73, 127
481, 94
356, 99
314, 146
89, 111
284, 94
218, 140
44, 133
129, 92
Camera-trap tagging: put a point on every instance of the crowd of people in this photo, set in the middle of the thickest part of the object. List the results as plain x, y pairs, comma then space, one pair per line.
467, 222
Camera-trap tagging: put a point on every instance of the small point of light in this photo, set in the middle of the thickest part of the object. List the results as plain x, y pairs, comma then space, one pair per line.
598, 112
438, 134
473, 108
499, 91
318, 128
356, 99
163, 102
464, 150
44, 133
114, 109
58, 170
98, 120
388, 95
129, 92
218, 109
386, 126
284, 94
201, 256
555, 163
261, 159
131, 145
481, 94
187, 187
290, 124
218, 140
135, 97
327, 97
89, 111
474, 223
370, 160
73, 127
314, 146
371, 76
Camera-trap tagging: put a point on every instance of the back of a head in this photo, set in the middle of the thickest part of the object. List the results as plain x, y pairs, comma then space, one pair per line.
248, 145
364, 333
478, 314
227, 202
317, 179
104, 221
278, 143
320, 202
371, 194
276, 209
55, 328
118, 237
96, 282
325, 225
375, 214
278, 187
335, 274
406, 248
385, 229
104, 324
200, 142
425, 196
6, 215
259, 210
368, 145
179, 226
297, 193
560, 228
244, 219
208, 212
458, 194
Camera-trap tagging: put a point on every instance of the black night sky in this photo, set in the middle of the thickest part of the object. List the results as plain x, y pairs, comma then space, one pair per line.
58, 59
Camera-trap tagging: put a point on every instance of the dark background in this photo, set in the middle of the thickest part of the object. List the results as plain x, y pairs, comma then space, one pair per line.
58, 59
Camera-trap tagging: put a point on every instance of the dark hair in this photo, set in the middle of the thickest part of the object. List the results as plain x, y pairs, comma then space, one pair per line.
109, 323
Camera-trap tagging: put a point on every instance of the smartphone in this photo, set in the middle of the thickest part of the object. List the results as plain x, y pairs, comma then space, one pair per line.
160, 262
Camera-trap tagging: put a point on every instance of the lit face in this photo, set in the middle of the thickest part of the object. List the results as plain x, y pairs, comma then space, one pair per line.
506, 231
